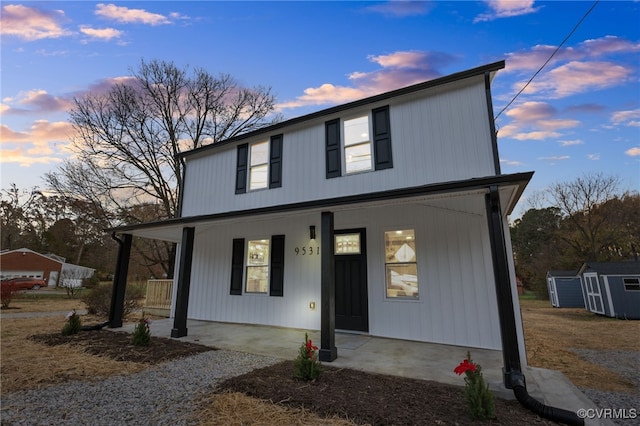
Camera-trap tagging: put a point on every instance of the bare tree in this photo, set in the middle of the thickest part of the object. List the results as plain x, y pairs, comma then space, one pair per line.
587, 227
126, 139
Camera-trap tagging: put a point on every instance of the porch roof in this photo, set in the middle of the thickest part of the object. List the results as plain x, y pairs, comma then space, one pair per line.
511, 187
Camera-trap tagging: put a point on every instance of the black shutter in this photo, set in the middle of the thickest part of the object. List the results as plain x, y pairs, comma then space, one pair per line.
241, 170
332, 136
276, 285
382, 139
237, 265
275, 162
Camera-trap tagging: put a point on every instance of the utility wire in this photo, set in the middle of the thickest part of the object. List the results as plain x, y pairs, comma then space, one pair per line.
547, 61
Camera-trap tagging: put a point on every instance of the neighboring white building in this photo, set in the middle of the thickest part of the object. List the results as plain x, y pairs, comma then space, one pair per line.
385, 216
50, 267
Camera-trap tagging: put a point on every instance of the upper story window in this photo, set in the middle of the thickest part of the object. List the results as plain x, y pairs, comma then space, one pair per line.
259, 165
364, 142
357, 145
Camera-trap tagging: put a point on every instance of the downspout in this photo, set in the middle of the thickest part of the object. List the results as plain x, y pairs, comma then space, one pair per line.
512, 371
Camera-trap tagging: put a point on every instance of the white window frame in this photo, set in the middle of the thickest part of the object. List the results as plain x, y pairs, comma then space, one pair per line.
592, 285
266, 264
253, 167
388, 264
368, 142
633, 281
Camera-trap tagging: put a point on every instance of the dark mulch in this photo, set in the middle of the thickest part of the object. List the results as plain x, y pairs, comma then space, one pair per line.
117, 345
374, 399
361, 397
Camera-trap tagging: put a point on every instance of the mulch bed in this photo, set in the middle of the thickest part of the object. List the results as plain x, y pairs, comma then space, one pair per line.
117, 345
364, 398
374, 399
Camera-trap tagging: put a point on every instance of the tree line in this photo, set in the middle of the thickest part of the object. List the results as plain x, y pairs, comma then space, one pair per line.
588, 219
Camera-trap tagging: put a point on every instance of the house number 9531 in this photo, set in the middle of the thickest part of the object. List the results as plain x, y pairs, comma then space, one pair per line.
307, 251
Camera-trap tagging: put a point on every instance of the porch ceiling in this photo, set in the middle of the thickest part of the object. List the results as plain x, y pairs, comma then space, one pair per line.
463, 196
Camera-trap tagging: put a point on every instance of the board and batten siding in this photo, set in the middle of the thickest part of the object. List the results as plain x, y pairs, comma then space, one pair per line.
457, 302
438, 136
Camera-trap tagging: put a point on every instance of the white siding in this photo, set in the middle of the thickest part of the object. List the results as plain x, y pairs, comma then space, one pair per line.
442, 137
457, 298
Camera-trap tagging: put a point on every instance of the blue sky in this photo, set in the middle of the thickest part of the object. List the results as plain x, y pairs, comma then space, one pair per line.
580, 114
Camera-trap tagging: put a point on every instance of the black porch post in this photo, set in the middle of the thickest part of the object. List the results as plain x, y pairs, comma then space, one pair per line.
184, 282
510, 352
120, 280
328, 351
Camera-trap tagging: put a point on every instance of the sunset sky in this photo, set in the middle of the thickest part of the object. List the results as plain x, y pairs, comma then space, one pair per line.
580, 114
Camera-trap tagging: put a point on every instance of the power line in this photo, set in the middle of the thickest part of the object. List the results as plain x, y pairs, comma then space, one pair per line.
549, 59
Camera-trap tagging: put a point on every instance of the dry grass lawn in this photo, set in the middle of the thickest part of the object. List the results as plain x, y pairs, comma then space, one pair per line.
550, 333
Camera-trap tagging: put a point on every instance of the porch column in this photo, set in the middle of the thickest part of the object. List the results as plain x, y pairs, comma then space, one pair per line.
184, 282
120, 280
512, 370
328, 351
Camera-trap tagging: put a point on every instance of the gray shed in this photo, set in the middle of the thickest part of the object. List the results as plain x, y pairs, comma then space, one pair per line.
612, 288
565, 289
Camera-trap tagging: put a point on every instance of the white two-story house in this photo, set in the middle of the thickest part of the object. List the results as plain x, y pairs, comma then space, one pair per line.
384, 216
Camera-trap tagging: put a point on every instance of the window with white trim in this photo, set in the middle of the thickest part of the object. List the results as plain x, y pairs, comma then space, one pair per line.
258, 165
357, 145
257, 266
401, 265
631, 284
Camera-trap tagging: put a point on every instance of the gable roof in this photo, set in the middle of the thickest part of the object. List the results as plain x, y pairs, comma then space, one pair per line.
611, 268
489, 68
50, 256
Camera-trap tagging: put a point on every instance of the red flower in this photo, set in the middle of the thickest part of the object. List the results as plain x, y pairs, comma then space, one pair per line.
464, 367
311, 348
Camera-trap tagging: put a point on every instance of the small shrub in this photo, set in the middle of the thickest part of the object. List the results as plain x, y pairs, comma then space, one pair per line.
73, 324
142, 333
306, 365
98, 300
479, 398
7, 293
91, 282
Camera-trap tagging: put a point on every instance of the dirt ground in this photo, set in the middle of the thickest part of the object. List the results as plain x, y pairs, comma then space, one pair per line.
34, 354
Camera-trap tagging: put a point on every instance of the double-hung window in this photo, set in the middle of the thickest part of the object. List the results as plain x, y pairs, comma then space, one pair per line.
263, 264
259, 165
401, 266
257, 266
358, 143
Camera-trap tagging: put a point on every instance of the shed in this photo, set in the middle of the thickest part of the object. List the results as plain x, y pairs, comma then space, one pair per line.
50, 267
612, 288
565, 289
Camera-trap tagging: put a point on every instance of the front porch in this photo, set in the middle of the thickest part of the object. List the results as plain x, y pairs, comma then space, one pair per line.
418, 360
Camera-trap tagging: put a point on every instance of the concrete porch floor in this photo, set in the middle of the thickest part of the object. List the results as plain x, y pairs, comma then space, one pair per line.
419, 360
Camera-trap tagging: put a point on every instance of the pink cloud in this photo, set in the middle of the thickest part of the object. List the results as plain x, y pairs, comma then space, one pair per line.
45, 142
535, 121
579, 77
102, 34
398, 69
626, 118
633, 152
35, 101
130, 16
32, 24
506, 9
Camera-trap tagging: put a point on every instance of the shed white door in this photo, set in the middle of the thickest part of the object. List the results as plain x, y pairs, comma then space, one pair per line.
594, 297
552, 292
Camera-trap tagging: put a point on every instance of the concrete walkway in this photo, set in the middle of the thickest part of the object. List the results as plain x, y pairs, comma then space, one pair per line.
419, 360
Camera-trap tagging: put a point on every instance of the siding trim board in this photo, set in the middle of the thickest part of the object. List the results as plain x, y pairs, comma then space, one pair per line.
519, 179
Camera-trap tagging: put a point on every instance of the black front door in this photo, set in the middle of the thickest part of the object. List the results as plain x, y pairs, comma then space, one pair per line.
352, 310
